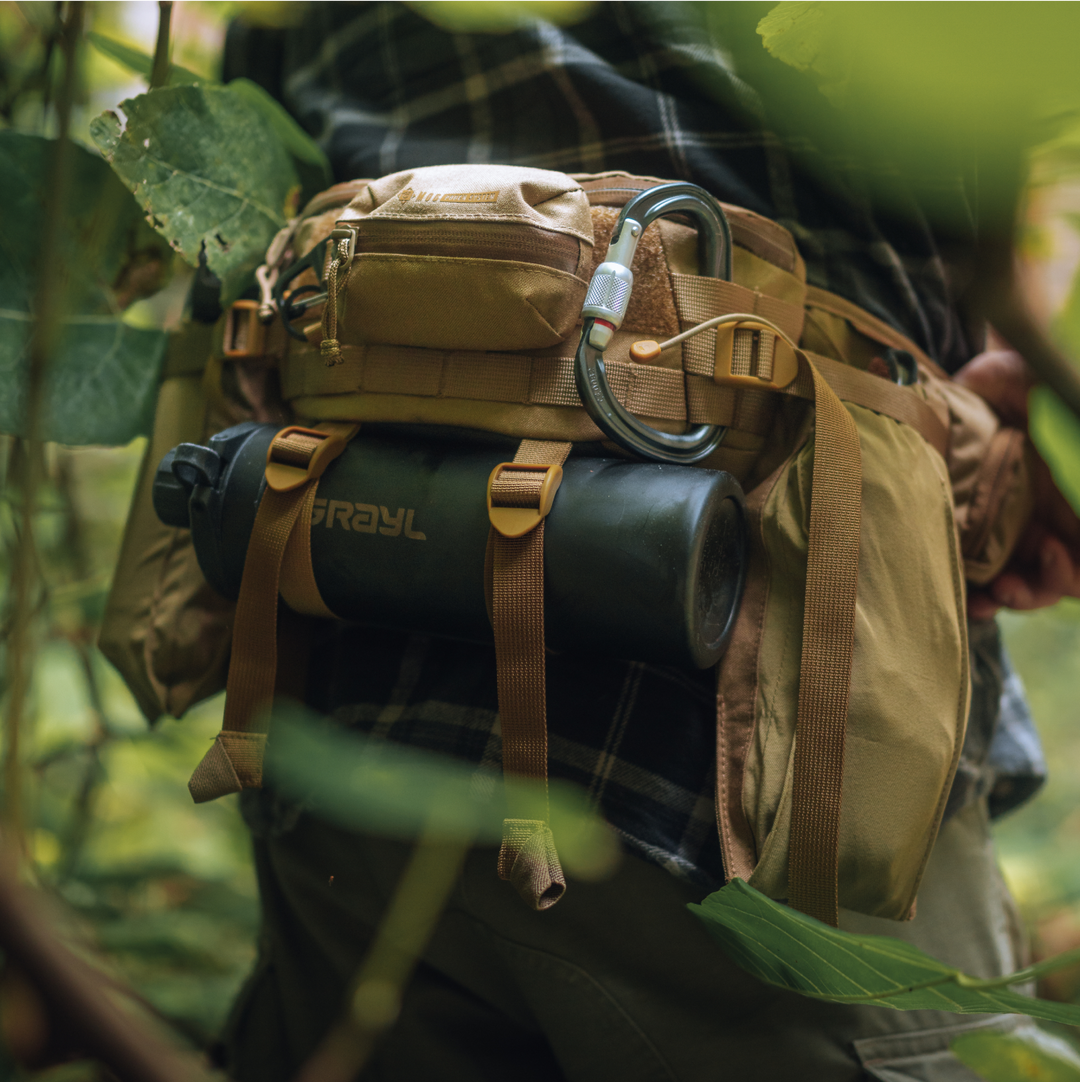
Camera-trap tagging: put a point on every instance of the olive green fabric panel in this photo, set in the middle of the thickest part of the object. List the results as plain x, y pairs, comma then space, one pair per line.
909, 687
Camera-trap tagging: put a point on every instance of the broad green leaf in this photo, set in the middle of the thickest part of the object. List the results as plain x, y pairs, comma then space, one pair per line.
295, 140
368, 784
210, 172
102, 382
139, 62
1055, 431
293, 137
1029, 1054
790, 950
102, 375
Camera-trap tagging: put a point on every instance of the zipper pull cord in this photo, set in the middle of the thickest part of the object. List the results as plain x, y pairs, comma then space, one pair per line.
330, 348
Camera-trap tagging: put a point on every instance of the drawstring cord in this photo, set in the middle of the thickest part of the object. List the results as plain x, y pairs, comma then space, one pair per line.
647, 350
330, 348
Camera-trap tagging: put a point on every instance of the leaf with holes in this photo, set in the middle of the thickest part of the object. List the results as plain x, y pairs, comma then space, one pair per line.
790, 950
102, 375
209, 171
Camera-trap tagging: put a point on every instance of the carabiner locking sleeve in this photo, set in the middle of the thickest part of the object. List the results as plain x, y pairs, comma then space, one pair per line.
605, 307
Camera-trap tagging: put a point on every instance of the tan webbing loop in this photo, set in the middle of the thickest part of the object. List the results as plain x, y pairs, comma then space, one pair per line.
527, 858
295, 461
832, 574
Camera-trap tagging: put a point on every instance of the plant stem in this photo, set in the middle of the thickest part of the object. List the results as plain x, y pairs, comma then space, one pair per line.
48, 311
159, 73
406, 928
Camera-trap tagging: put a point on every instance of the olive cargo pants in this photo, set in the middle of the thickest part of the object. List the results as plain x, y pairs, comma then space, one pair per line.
617, 983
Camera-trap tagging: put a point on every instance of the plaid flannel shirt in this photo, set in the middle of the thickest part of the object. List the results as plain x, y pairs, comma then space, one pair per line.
648, 88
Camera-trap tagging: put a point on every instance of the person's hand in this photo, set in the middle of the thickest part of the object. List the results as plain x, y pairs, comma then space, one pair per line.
1045, 566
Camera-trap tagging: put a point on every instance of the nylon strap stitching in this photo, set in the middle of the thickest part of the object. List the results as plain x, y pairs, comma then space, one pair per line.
527, 856
832, 572
253, 662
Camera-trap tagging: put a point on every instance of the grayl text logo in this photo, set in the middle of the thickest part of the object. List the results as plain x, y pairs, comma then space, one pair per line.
448, 197
365, 518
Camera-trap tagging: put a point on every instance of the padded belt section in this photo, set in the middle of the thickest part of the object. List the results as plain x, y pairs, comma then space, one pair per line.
645, 390
527, 857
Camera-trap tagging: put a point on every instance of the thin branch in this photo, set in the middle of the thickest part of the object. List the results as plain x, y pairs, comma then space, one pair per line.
159, 73
78, 998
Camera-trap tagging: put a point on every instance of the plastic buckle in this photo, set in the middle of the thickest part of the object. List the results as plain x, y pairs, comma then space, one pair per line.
285, 476
245, 333
518, 521
766, 362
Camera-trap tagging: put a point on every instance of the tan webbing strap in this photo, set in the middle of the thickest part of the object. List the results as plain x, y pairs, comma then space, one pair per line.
295, 461
518, 500
832, 574
698, 299
874, 328
645, 390
880, 395
299, 590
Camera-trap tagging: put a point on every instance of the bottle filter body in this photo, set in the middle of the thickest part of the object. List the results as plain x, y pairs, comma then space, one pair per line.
643, 561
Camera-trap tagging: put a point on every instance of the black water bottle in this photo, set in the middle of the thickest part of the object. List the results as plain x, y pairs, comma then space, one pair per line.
642, 561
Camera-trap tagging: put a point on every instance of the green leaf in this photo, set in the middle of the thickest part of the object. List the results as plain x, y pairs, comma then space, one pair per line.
790, 950
139, 62
102, 374
295, 140
1029, 1054
210, 172
1055, 431
368, 784
102, 381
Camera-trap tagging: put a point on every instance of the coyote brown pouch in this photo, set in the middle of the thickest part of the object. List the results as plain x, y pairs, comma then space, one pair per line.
469, 258
456, 302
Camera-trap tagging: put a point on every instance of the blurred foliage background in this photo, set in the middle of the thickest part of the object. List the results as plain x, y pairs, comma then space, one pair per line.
166, 888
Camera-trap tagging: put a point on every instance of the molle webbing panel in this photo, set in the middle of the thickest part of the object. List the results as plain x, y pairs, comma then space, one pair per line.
646, 390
